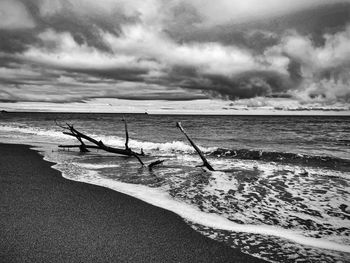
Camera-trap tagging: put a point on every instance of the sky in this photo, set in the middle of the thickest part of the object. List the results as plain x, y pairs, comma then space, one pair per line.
175, 55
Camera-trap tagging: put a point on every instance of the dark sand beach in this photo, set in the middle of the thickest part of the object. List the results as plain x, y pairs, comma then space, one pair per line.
46, 218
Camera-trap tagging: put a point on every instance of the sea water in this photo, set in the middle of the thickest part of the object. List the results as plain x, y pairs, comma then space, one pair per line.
280, 190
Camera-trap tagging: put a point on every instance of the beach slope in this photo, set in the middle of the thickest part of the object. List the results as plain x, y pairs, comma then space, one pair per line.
46, 218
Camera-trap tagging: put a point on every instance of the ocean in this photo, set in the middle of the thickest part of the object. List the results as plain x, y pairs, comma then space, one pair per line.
280, 190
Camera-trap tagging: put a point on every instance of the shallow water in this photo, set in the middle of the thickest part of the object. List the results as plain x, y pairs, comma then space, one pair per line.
280, 192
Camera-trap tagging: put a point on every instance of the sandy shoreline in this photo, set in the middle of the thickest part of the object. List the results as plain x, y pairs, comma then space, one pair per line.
46, 218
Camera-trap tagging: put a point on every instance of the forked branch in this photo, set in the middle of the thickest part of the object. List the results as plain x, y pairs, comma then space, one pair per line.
97, 144
71, 131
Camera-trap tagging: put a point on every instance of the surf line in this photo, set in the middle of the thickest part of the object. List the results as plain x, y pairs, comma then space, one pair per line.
163, 200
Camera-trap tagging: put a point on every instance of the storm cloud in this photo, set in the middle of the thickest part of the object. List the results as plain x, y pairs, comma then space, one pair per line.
65, 50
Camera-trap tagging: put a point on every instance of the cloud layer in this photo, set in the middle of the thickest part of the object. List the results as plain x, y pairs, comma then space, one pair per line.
65, 50
14, 15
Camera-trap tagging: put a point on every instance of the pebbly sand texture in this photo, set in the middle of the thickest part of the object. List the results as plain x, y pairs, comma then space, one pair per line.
46, 218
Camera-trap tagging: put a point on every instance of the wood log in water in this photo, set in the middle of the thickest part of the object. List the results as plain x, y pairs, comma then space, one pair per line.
71, 131
201, 155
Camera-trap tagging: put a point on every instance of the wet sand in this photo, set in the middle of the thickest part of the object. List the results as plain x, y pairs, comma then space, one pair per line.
46, 218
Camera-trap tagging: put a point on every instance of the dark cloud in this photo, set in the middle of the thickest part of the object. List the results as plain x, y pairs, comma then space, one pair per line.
71, 91
258, 34
245, 85
15, 41
65, 50
161, 96
117, 74
317, 21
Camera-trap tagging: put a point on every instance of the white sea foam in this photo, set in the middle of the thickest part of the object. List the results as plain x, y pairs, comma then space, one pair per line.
96, 166
220, 181
160, 198
32, 130
166, 147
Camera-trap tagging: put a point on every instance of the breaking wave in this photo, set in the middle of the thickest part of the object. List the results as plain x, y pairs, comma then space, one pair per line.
163, 147
285, 157
182, 147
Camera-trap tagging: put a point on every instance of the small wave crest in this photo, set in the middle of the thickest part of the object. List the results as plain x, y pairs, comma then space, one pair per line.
165, 147
162, 147
20, 128
285, 157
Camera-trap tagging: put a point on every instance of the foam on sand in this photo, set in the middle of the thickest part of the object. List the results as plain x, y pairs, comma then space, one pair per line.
160, 198
96, 166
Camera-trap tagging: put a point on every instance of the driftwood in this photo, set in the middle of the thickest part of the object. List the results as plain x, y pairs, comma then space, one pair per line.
151, 165
84, 148
71, 131
201, 155
126, 134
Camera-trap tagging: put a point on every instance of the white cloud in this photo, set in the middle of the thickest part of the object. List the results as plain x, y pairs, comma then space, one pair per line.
325, 69
17, 73
14, 15
324, 91
207, 58
334, 53
61, 50
144, 48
